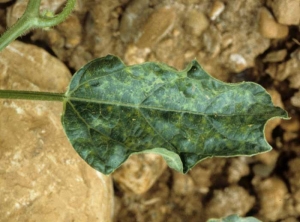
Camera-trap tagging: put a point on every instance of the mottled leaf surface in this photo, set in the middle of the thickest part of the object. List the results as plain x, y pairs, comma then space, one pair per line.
235, 218
112, 111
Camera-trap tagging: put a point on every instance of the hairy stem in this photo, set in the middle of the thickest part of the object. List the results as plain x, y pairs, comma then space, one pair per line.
31, 95
32, 18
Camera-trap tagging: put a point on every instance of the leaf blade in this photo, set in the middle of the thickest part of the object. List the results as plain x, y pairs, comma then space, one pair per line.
119, 110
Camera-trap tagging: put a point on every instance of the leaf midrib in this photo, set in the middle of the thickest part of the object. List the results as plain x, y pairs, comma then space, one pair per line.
139, 106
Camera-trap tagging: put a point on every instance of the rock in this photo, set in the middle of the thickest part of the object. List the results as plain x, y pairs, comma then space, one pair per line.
268, 158
287, 12
201, 177
231, 200
275, 56
290, 219
212, 39
183, 184
71, 31
272, 193
158, 25
269, 28
295, 100
288, 136
293, 176
216, 9
204, 173
133, 19
42, 177
288, 70
262, 171
139, 172
196, 22
295, 81
292, 67
100, 25
291, 127
237, 169
233, 53
135, 55
238, 61
266, 165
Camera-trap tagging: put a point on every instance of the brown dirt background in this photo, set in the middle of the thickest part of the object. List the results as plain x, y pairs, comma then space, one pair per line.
234, 41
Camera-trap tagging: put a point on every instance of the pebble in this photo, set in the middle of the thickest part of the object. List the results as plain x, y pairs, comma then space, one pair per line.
238, 61
267, 163
287, 12
262, 170
289, 69
269, 28
183, 184
276, 56
295, 100
196, 22
293, 125
268, 158
139, 172
159, 24
272, 193
237, 169
293, 176
231, 200
217, 8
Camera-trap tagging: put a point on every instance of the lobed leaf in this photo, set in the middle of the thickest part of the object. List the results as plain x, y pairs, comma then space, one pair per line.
112, 111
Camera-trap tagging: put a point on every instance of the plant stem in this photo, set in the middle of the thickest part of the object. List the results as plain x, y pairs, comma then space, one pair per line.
31, 95
32, 18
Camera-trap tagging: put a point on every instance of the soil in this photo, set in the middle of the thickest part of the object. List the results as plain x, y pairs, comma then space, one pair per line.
234, 41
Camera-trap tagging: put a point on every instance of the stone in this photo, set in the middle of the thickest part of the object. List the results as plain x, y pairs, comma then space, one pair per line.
133, 18
216, 9
158, 25
287, 70
135, 55
42, 178
228, 47
268, 158
237, 169
262, 171
201, 178
196, 22
183, 184
293, 176
232, 200
266, 165
295, 100
287, 12
139, 172
269, 28
275, 56
292, 125
272, 193
71, 30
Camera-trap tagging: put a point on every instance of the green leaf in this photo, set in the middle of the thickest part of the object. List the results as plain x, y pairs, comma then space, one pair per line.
235, 218
112, 111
